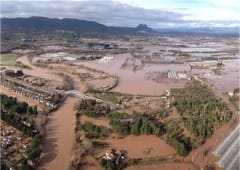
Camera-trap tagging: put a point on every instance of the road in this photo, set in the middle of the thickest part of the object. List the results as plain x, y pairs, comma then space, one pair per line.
79, 94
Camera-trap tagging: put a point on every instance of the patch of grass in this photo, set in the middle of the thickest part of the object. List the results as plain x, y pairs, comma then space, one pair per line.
8, 59
109, 97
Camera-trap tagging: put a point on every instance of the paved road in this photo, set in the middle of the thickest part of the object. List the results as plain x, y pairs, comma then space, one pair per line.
228, 150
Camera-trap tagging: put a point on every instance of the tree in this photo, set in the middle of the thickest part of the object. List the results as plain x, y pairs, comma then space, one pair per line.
36, 141
24, 165
135, 129
29, 110
34, 153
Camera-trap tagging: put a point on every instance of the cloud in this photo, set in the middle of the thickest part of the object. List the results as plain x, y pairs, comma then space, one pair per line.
109, 12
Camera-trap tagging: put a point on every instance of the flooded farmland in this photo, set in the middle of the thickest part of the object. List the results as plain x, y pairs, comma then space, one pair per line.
228, 78
143, 146
134, 81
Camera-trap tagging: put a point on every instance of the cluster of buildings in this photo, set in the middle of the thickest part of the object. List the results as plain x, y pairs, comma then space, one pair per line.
13, 145
174, 75
206, 63
44, 98
106, 59
61, 56
6, 138
113, 155
166, 97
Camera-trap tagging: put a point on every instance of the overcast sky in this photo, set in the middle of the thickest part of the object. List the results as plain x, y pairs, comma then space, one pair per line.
155, 13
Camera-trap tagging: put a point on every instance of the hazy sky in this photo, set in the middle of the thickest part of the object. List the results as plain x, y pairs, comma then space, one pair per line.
155, 13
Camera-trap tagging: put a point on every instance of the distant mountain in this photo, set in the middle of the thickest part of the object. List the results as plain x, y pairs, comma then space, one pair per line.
43, 24
227, 31
144, 29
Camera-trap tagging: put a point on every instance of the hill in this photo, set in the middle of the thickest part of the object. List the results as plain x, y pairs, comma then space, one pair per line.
43, 24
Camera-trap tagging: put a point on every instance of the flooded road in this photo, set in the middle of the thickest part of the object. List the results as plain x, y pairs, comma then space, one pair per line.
57, 146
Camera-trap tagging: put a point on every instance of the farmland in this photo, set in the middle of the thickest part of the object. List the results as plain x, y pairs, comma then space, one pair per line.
8, 59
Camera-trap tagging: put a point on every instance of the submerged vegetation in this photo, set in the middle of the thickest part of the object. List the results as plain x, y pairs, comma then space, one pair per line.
135, 125
176, 139
94, 131
92, 108
199, 109
200, 112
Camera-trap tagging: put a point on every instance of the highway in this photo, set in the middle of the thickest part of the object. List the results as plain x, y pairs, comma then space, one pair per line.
222, 148
229, 151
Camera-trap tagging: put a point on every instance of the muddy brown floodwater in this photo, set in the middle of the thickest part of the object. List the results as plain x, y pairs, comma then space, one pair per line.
57, 146
144, 146
36, 71
229, 80
164, 166
135, 82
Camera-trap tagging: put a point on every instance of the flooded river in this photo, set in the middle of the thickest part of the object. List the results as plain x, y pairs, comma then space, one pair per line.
57, 146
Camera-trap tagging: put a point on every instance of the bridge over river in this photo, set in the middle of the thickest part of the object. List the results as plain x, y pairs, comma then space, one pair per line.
79, 94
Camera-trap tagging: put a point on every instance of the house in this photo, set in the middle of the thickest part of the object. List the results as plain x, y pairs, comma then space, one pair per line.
108, 156
106, 59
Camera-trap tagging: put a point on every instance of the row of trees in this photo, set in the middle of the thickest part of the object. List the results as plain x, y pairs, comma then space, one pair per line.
14, 106
24, 124
137, 124
18, 73
33, 154
176, 139
94, 131
200, 110
17, 114
35, 148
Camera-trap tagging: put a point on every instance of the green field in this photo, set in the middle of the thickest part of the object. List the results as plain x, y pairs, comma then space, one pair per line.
8, 59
